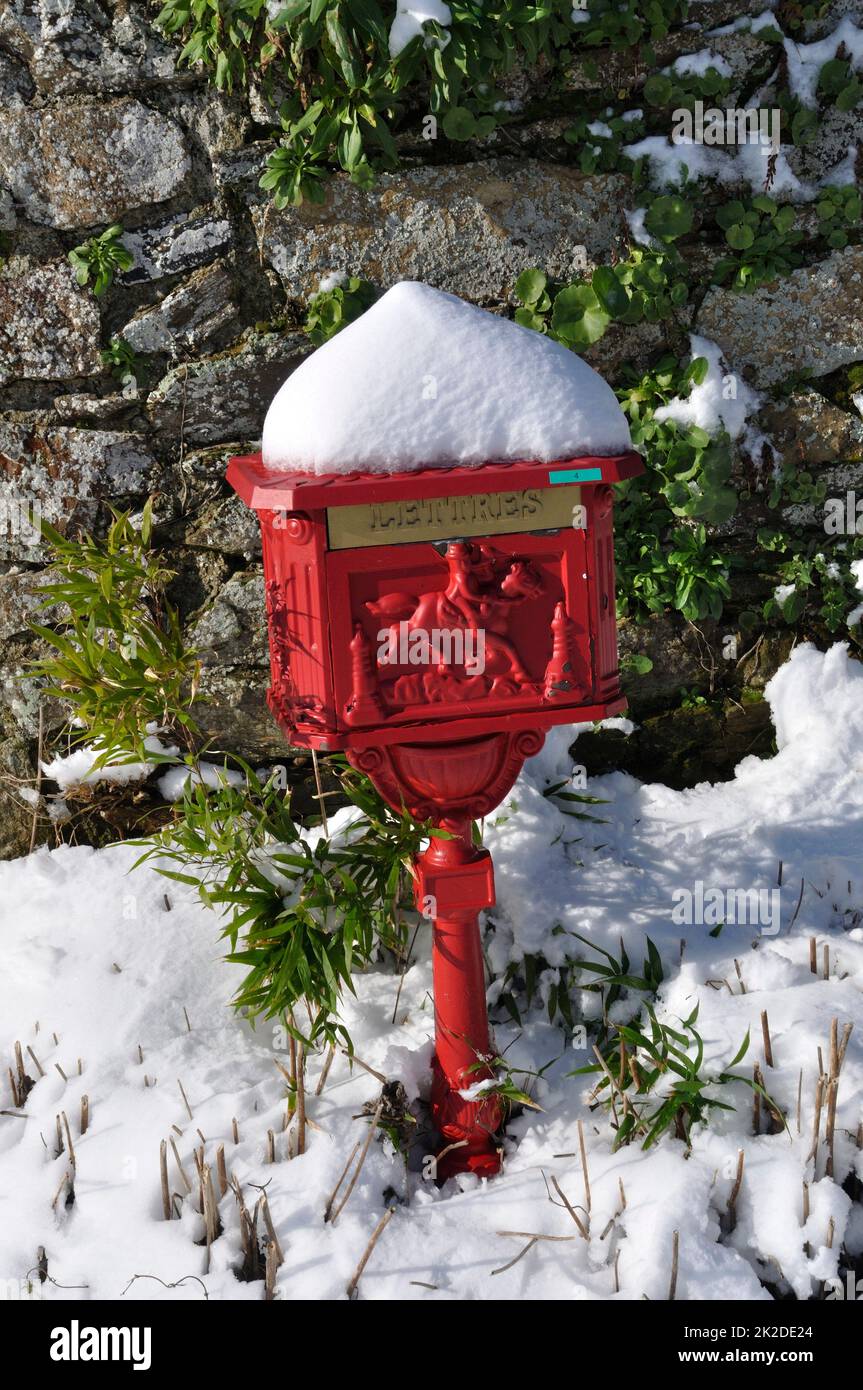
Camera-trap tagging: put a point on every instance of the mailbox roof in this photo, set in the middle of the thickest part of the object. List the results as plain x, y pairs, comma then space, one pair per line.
424, 379
264, 489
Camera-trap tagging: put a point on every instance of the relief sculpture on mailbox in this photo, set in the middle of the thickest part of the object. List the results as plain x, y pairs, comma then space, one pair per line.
484, 589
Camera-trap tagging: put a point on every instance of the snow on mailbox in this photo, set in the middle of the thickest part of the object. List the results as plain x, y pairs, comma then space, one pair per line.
435, 502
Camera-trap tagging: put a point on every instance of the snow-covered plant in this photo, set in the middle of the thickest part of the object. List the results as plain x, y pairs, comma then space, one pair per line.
302, 914
302, 910
665, 556
634, 1072
118, 659
333, 309
812, 575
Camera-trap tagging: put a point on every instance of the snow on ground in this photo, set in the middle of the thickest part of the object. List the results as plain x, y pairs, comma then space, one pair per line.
92, 953
424, 378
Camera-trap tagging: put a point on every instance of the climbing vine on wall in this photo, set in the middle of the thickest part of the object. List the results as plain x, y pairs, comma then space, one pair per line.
341, 81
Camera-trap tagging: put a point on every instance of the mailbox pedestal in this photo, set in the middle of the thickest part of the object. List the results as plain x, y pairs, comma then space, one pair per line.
433, 625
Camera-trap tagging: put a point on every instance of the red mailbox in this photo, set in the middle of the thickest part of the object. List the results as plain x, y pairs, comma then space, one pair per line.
432, 625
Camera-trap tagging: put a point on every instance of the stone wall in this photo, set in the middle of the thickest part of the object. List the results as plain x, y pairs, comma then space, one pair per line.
98, 125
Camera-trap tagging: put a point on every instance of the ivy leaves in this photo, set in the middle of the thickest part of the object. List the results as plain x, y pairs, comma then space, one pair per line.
646, 287
669, 217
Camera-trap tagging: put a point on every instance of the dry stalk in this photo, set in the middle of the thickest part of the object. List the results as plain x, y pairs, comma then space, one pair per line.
570, 1208
362, 1158
36, 1060
163, 1171
765, 1033
271, 1230
325, 1069
301, 1099
816, 1126
185, 1099
221, 1170
832, 1092
735, 1192
333, 1194
271, 1266
376, 1235
352, 1057
68, 1134
583, 1152
183, 1175
756, 1101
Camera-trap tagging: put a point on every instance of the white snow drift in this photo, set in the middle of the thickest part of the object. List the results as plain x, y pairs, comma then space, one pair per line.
93, 954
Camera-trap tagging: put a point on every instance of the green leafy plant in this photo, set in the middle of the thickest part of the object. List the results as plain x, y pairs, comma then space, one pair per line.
100, 258
635, 664
346, 92
503, 1085
118, 658
600, 141
811, 575
301, 916
634, 1074
624, 25
662, 563
645, 287
302, 910
764, 238
611, 975
333, 309
840, 215
838, 80
120, 358
675, 90
567, 800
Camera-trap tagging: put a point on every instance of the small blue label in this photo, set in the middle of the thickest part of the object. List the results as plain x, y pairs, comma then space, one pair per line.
576, 475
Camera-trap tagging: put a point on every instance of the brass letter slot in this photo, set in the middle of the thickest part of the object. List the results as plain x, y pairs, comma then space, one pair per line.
445, 518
